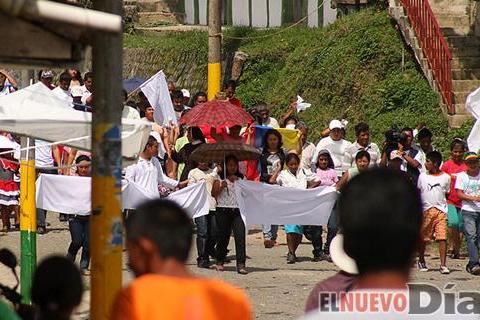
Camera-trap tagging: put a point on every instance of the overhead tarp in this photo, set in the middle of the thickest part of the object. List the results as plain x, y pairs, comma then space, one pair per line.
35, 112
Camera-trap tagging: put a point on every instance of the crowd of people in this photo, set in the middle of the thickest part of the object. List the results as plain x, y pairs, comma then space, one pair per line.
448, 191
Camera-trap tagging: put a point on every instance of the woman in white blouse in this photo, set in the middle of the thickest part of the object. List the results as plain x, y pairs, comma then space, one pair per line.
228, 215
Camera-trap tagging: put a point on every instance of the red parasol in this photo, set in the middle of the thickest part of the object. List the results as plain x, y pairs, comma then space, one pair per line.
216, 113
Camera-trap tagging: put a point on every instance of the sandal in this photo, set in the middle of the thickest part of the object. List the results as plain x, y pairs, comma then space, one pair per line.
242, 270
220, 267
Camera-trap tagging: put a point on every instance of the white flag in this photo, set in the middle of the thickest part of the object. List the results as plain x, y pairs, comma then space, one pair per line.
156, 91
473, 106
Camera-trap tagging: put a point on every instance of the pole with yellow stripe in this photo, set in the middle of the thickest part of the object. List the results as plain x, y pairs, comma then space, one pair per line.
106, 223
28, 219
214, 48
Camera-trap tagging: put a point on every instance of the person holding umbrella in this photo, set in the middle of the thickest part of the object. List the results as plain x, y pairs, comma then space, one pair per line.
228, 215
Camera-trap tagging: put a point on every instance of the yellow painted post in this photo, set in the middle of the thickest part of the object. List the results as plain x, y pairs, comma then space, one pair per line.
28, 220
106, 222
214, 48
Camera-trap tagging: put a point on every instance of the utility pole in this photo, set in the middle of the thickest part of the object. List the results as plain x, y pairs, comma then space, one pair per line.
106, 222
214, 48
28, 218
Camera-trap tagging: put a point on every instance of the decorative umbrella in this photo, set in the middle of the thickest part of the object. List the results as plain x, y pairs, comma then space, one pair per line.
216, 113
216, 152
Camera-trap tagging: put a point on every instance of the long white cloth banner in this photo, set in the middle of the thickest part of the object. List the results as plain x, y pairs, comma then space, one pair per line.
72, 195
271, 204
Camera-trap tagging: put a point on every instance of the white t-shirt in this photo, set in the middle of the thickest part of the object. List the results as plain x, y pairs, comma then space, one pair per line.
85, 94
43, 154
197, 175
271, 122
337, 152
64, 95
149, 174
433, 189
130, 113
471, 187
297, 181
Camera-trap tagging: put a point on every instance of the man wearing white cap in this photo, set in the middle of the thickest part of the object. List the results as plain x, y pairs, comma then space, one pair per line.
186, 97
335, 144
46, 77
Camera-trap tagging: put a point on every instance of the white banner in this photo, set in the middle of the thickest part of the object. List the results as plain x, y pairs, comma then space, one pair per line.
72, 195
271, 204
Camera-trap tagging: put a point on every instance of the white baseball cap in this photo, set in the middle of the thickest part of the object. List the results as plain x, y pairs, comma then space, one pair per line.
335, 124
186, 93
340, 258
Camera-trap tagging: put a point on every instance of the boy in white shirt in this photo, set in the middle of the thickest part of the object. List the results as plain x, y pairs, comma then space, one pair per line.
148, 173
468, 190
434, 185
63, 90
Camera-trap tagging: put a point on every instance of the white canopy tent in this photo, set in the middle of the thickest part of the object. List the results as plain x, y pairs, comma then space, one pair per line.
36, 112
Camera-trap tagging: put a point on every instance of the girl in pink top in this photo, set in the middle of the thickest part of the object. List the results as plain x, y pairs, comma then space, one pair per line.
455, 222
325, 169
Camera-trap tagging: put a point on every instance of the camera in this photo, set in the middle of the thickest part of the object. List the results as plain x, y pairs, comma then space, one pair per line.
392, 138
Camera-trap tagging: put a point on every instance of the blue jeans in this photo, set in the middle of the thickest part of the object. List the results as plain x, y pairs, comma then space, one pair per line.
270, 231
79, 227
471, 230
314, 234
332, 229
206, 236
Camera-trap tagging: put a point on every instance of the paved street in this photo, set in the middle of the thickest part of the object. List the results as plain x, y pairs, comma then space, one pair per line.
276, 290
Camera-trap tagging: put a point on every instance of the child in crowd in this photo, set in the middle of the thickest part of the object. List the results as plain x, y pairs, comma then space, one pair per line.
433, 186
425, 141
9, 190
272, 161
328, 177
453, 166
79, 224
362, 161
228, 215
294, 177
468, 190
325, 169
206, 230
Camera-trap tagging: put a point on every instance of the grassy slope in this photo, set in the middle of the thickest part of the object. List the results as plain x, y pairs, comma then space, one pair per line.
353, 69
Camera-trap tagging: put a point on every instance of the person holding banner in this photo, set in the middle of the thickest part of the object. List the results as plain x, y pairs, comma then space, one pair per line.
272, 161
79, 224
148, 172
228, 215
206, 225
293, 177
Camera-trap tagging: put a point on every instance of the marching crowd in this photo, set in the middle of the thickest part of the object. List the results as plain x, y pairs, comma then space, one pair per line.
449, 188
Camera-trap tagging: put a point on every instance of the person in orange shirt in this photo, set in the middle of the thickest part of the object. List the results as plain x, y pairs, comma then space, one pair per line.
159, 237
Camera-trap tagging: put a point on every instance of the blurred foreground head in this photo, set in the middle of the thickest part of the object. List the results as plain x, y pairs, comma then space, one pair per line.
158, 232
57, 288
380, 215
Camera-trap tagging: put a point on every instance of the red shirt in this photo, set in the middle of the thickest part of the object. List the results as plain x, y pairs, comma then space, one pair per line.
235, 102
452, 169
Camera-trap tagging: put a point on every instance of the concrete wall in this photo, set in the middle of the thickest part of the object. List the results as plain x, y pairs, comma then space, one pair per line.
256, 14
